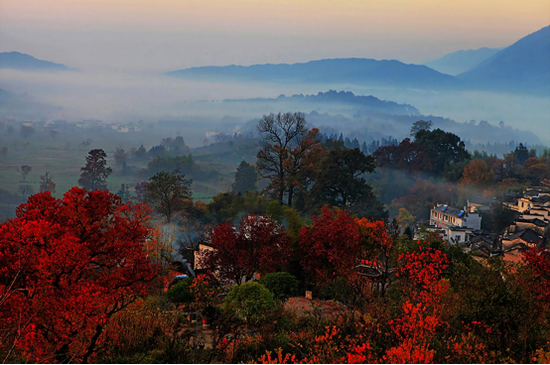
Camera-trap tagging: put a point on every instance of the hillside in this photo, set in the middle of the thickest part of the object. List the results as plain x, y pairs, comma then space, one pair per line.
21, 61
23, 106
358, 71
366, 103
461, 61
524, 66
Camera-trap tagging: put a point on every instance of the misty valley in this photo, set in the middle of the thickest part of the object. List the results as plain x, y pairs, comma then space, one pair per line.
334, 210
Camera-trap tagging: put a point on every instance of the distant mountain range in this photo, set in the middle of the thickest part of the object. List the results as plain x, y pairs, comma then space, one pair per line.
21, 61
366, 103
461, 61
522, 67
339, 70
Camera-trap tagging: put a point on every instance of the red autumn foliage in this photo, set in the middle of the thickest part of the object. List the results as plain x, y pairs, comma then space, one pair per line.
376, 234
422, 267
66, 266
414, 331
331, 246
422, 274
377, 247
258, 245
538, 262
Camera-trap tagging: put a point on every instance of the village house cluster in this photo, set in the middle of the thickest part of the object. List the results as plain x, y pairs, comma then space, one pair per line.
530, 229
463, 226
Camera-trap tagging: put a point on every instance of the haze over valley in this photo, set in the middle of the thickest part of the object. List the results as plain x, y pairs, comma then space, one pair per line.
122, 96
274, 181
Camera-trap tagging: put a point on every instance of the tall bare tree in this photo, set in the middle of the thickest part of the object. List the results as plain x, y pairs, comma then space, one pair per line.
281, 132
166, 191
24, 171
46, 183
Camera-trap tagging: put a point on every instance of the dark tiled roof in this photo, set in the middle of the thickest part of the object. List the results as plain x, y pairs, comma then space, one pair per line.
479, 239
515, 246
527, 235
536, 221
445, 209
541, 200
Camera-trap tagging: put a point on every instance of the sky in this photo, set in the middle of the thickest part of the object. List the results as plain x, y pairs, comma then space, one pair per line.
153, 35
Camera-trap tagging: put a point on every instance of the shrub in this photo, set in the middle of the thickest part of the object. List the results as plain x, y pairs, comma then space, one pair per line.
180, 293
281, 284
337, 290
249, 301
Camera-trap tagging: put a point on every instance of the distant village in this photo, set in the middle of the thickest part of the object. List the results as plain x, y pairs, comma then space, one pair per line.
463, 226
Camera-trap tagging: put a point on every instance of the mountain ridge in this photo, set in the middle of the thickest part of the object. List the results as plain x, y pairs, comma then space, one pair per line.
369, 102
23, 61
460, 61
523, 66
331, 70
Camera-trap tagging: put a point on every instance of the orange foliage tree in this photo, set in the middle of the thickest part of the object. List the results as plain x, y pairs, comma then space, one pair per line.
477, 174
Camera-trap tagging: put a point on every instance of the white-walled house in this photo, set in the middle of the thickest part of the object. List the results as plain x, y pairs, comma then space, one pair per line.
443, 215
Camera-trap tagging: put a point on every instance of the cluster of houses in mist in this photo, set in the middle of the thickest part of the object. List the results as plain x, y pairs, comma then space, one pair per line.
529, 229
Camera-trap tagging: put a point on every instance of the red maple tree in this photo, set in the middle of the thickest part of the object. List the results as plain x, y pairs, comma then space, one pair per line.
258, 246
538, 278
331, 246
66, 266
378, 247
421, 272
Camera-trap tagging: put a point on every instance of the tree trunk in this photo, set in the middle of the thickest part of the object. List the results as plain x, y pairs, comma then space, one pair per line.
290, 195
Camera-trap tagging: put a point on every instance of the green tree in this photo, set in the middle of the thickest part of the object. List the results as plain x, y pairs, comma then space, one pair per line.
421, 125
341, 182
442, 147
521, 153
95, 173
275, 210
120, 157
249, 301
293, 223
404, 218
140, 153
245, 178
180, 292
166, 192
281, 284
124, 192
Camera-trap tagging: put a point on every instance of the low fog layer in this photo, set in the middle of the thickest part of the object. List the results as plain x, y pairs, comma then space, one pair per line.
122, 97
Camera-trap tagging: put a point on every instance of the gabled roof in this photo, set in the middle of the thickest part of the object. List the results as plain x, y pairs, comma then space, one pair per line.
531, 192
479, 239
536, 221
527, 235
514, 246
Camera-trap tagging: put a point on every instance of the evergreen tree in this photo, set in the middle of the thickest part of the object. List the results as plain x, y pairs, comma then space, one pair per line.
245, 178
95, 173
